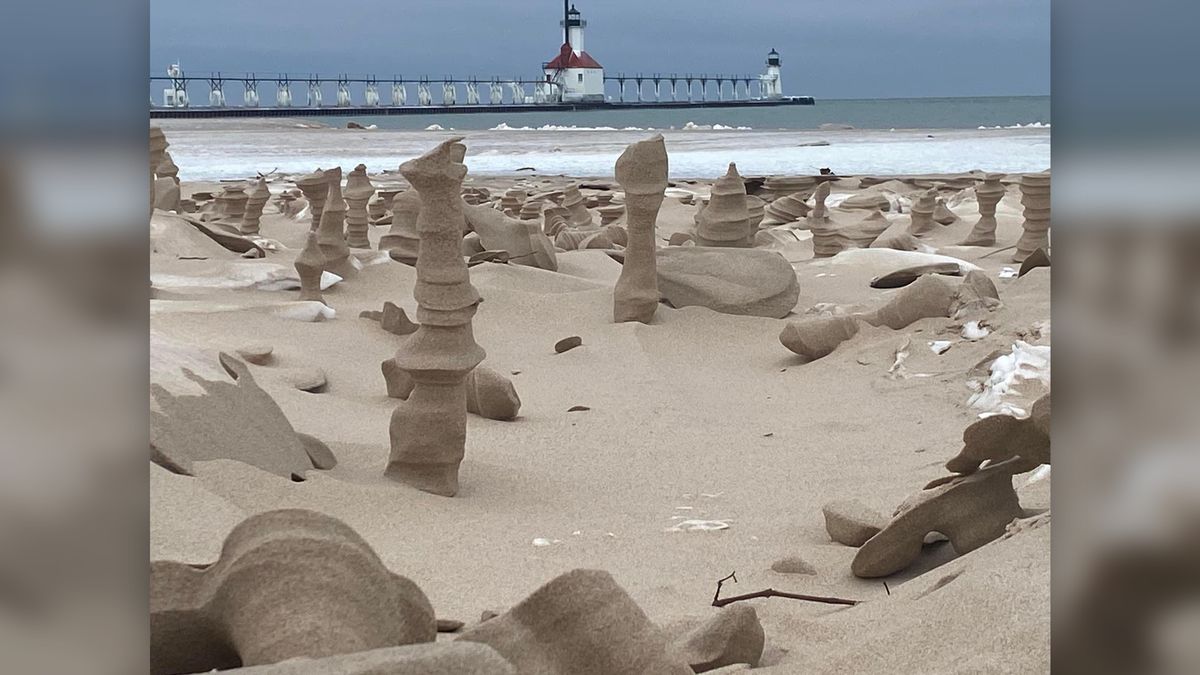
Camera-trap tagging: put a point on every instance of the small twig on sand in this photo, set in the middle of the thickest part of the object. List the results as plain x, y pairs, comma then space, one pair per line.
885, 587
999, 250
718, 601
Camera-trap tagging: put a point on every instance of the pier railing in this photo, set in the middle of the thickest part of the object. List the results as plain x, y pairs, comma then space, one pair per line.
370, 91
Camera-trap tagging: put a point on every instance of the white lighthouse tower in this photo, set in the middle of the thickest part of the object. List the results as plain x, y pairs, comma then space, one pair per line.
577, 76
772, 80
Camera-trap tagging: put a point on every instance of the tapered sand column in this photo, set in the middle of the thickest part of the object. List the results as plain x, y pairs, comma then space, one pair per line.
254, 207
921, 222
726, 220
988, 194
1035, 197
332, 233
642, 172
358, 192
315, 190
429, 430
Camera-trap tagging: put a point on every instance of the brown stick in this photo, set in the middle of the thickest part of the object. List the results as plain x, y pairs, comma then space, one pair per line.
718, 601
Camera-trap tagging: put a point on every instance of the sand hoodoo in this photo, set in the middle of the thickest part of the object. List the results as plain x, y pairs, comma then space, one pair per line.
358, 192
1035, 199
231, 204
315, 188
429, 430
988, 193
401, 241
580, 623
726, 220
511, 202
921, 214
332, 234
254, 207
289, 583
642, 172
578, 216
310, 265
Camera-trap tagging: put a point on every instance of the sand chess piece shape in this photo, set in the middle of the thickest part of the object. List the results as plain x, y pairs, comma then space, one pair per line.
231, 204
358, 192
922, 213
817, 337
429, 430
310, 265
969, 510
167, 168
254, 207
315, 188
402, 241
378, 206
1035, 199
511, 202
579, 623
289, 583
642, 172
988, 194
578, 216
332, 234
726, 219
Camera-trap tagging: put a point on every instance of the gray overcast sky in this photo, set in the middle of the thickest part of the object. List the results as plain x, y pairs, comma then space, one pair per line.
848, 49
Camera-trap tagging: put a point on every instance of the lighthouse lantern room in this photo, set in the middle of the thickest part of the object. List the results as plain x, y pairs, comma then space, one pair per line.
576, 76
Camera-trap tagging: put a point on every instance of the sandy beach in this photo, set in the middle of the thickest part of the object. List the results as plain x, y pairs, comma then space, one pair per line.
697, 415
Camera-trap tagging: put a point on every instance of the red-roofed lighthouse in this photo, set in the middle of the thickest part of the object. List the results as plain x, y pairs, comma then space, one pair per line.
579, 77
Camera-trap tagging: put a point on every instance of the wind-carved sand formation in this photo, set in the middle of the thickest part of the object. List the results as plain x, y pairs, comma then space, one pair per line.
402, 241
358, 192
988, 193
315, 188
1035, 199
726, 220
429, 430
642, 172
254, 207
331, 234
909, 328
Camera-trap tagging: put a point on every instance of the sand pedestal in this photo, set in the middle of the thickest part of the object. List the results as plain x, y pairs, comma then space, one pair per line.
429, 430
988, 194
1035, 198
358, 192
642, 172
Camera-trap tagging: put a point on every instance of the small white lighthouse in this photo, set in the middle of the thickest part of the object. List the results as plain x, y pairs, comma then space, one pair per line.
577, 75
772, 80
